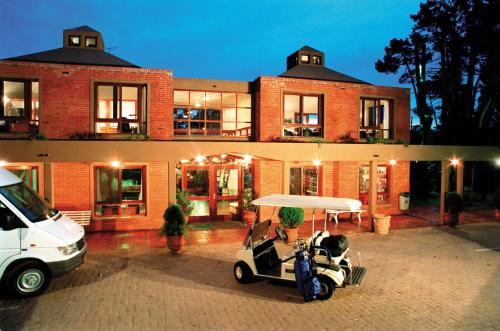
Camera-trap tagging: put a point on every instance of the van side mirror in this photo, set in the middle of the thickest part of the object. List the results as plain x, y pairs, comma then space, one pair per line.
11, 222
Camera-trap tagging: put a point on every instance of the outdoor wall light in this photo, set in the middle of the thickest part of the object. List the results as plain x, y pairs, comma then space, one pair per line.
392, 162
184, 161
5, 99
317, 162
199, 158
223, 156
3, 163
115, 164
247, 158
215, 160
497, 162
454, 162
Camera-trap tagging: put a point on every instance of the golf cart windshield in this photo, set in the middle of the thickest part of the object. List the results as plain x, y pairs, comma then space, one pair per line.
258, 234
28, 202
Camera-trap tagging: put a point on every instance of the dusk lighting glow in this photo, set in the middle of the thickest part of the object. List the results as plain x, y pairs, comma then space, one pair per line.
199, 158
317, 162
3, 163
247, 158
454, 162
115, 164
392, 162
497, 162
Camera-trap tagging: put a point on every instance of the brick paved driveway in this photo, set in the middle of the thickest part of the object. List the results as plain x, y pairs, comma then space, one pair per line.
427, 278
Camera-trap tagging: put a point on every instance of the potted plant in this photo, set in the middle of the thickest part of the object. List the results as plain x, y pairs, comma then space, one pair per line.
381, 223
174, 228
291, 218
453, 205
496, 202
185, 204
248, 208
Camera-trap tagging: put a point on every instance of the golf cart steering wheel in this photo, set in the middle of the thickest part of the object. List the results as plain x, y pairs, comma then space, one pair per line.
281, 233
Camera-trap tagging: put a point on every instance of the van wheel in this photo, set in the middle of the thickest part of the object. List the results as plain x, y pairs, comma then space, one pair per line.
326, 288
28, 279
243, 273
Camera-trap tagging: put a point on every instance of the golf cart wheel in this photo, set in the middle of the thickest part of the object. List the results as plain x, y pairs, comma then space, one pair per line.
28, 279
326, 288
243, 273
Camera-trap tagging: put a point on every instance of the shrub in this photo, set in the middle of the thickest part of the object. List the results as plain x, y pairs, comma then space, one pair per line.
248, 196
175, 222
184, 202
453, 203
291, 217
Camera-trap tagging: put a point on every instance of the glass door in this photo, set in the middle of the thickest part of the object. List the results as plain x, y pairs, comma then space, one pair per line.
196, 182
226, 193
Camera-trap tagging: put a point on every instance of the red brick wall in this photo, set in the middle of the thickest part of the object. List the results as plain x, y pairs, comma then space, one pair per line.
341, 106
71, 186
268, 179
65, 95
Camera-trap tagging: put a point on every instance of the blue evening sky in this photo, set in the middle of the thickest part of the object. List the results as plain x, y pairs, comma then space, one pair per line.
235, 40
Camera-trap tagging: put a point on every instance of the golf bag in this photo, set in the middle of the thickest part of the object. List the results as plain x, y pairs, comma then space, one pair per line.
307, 283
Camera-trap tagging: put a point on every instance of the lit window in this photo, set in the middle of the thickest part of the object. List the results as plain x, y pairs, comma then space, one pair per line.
19, 105
74, 41
28, 174
120, 191
304, 58
302, 115
212, 113
316, 59
304, 181
120, 108
375, 118
90, 42
383, 184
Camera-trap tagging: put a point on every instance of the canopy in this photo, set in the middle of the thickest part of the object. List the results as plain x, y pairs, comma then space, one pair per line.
303, 201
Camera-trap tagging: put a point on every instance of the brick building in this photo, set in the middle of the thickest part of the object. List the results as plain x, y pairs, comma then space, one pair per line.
123, 139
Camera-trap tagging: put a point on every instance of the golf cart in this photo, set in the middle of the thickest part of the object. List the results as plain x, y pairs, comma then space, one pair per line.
259, 259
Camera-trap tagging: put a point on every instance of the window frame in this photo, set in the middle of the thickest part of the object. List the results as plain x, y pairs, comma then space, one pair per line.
71, 43
303, 168
120, 204
374, 130
301, 115
91, 38
31, 119
245, 132
117, 102
30, 169
364, 196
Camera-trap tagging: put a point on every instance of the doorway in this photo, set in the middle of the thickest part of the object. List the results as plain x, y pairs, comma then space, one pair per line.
215, 191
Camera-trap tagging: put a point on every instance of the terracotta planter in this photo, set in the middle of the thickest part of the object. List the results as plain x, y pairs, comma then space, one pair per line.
248, 217
451, 219
497, 214
293, 234
176, 243
381, 223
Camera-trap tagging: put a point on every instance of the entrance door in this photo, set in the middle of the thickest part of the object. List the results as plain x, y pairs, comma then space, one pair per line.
227, 192
215, 191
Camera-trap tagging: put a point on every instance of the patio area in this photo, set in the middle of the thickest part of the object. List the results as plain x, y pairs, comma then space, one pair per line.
208, 233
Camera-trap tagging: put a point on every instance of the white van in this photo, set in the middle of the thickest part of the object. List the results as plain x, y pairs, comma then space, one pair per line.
37, 242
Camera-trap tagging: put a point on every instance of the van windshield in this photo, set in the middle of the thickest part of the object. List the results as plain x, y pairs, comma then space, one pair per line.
28, 202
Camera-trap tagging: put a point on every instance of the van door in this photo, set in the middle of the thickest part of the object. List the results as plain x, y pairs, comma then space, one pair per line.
10, 240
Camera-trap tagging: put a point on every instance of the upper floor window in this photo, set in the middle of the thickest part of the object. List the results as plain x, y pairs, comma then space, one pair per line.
19, 106
90, 42
212, 113
376, 118
304, 58
120, 108
316, 59
120, 191
73, 40
304, 180
302, 115
383, 184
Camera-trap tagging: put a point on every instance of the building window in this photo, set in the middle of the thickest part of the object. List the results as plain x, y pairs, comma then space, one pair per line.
302, 115
90, 42
28, 174
305, 181
19, 106
120, 108
73, 40
212, 113
316, 59
383, 184
375, 118
120, 191
304, 58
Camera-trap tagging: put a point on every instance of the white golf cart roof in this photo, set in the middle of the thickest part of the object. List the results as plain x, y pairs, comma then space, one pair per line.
312, 202
7, 177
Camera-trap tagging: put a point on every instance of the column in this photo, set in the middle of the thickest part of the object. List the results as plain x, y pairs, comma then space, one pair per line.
372, 193
460, 178
172, 181
444, 188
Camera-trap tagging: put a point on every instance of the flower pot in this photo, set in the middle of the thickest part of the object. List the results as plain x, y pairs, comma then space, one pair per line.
497, 214
248, 217
176, 243
293, 234
451, 219
381, 223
